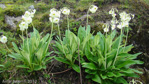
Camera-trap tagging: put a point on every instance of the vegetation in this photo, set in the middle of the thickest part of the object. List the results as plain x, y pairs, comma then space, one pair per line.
81, 41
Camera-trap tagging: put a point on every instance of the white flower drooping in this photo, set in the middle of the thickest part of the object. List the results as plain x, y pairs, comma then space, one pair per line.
93, 8
54, 20
65, 11
3, 39
23, 26
111, 11
106, 29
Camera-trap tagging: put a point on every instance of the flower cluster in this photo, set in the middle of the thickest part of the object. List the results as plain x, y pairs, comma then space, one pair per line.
27, 19
124, 19
114, 21
54, 15
3, 39
65, 11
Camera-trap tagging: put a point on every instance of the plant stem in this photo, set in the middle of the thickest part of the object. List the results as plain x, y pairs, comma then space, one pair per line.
27, 40
111, 40
105, 53
59, 31
51, 30
79, 64
118, 47
7, 47
87, 19
23, 38
67, 22
126, 38
32, 25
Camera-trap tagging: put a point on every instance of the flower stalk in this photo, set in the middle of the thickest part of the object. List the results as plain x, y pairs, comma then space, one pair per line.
118, 48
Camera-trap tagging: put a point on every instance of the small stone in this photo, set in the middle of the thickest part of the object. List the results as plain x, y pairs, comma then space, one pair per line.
11, 21
31, 7
2, 6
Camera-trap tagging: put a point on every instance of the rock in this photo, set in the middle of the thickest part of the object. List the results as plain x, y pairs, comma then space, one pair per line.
2, 6
31, 7
12, 21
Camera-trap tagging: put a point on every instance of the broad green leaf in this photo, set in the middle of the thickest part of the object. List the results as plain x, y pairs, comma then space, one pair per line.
90, 66
76, 68
69, 57
120, 80
89, 71
38, 67
62, 60
96, 78
15, 47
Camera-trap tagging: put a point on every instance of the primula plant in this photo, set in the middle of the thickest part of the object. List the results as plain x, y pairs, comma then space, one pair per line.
70, 45
104, 65
33, 52
108, 60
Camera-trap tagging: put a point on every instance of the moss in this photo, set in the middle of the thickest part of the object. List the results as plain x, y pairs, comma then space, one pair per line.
13, 10
42, 7
45, 17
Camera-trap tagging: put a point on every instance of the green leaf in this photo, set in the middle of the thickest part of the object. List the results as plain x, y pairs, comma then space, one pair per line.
22, 66
90, 71
96, 78
127, 49
37, 67
15, 47
76, 68
62, 60
115, 44
1, 65
69, 57
81, 33
120, 80
90, 66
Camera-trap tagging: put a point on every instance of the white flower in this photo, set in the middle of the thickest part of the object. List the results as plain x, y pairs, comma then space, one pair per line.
51, 19
125, 17
55, 14
119, 26
23, 26
33, 11
3, 39
28, 20
111, 11
132, 16
27, 14
32, 15
65, 11
93, 8
106, 29
114, 21
113, 15
123, 14
113, 27
53, 9
54, 20
123, 24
